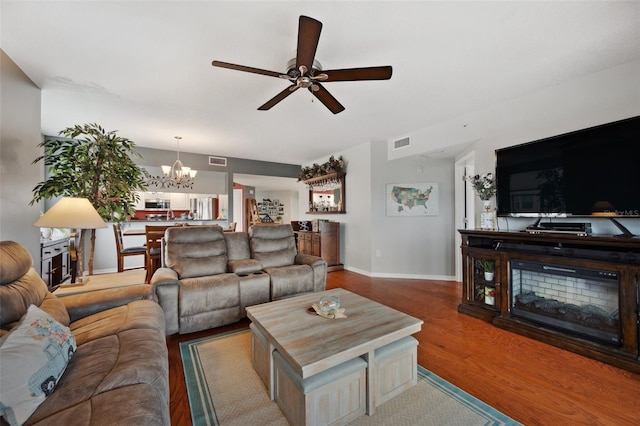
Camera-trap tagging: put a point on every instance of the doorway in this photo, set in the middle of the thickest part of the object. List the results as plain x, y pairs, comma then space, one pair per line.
464, 205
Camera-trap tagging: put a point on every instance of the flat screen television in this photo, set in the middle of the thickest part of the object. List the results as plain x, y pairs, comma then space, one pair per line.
595, 171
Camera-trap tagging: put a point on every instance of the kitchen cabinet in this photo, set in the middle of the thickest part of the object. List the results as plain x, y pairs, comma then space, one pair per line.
179, 201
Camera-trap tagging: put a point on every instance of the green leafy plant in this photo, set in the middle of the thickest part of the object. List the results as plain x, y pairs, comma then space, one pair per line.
487, 265
484, 185
331, 166
96, 164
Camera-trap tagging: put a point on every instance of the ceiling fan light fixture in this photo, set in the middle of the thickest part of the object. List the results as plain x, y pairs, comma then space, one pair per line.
291, 68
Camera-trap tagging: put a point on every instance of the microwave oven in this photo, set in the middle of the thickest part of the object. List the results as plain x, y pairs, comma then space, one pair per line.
157, 204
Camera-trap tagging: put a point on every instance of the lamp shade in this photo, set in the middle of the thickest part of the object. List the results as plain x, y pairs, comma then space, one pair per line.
603, 208
71, 212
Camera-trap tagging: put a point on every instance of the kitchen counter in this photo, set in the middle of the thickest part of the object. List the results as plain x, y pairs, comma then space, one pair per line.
179, 220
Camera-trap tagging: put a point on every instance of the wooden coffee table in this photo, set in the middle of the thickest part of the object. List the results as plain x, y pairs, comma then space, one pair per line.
311, 344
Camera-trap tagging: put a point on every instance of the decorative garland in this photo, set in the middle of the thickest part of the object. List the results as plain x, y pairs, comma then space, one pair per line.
332, 166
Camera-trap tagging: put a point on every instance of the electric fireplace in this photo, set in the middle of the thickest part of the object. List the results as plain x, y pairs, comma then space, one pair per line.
577, 300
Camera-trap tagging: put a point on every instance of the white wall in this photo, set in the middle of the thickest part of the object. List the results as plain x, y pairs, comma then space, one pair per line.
19, 139
603, 97
288, 198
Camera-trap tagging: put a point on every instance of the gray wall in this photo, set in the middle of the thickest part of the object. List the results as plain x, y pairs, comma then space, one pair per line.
215, 179
19, 139
412, 246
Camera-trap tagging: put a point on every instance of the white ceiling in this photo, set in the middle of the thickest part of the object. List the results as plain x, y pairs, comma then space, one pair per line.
144, 67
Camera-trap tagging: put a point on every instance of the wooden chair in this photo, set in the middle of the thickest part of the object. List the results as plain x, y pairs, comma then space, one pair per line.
123, 252
154, 235
231, 228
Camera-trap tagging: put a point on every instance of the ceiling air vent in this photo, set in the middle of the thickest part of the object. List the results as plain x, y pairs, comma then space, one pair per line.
401, 143
218, 161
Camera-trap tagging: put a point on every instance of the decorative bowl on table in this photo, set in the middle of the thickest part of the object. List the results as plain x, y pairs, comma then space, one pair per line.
329, 303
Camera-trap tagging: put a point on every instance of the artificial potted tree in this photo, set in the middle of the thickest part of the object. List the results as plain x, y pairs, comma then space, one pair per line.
90, 162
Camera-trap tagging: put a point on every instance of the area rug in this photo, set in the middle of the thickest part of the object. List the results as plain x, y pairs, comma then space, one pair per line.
224, 389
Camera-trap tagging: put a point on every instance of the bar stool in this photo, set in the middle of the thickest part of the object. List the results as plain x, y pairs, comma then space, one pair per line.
123, 252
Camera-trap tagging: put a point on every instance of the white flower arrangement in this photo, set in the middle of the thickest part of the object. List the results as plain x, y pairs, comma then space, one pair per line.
484, 185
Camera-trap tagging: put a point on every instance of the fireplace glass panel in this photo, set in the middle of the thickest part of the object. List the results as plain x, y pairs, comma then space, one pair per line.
579, 300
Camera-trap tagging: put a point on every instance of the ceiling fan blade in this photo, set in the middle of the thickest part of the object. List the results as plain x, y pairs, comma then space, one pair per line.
354, 74
246, 69
326, 98
308, 37
277, 98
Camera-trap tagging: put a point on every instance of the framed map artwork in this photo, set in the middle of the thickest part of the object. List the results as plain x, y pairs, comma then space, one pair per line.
412, 199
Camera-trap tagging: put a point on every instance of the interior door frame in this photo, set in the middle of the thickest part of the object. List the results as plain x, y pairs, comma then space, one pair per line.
464, 205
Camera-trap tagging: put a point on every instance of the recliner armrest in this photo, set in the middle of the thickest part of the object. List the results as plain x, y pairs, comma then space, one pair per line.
308, 259
80, 305
164, 275
166, 288
319, 267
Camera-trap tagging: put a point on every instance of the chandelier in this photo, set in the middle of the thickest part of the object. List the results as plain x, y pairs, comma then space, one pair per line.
176, 176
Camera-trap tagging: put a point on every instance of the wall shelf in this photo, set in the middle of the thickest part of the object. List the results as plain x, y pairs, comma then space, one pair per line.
327, 193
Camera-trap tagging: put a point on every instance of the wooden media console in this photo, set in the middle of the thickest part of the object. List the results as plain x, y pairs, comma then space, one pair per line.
579, 293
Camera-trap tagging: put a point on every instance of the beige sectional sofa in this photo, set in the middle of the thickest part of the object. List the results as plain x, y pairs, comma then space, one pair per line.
210, 276
103, 353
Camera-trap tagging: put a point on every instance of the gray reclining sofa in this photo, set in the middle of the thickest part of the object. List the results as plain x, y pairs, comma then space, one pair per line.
209, 276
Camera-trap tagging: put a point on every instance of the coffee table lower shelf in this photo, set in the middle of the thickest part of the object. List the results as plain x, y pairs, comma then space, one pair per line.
340, 394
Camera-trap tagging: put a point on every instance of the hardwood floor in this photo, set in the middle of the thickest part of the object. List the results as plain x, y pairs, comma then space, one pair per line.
534, 383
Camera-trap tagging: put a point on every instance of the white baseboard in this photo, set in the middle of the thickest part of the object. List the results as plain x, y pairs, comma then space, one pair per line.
401, 276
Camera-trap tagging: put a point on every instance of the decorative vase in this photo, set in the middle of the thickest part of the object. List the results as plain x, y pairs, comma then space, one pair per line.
488, 275
487, 219
489, 295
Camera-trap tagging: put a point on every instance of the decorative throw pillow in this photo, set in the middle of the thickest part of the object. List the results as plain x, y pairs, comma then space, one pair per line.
33, 357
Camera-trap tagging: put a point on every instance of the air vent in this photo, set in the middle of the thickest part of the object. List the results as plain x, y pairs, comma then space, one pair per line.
402, 143
218, 161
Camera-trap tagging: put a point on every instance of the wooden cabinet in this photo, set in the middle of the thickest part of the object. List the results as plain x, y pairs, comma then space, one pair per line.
324, 243
55, 262
481, 291
579, 293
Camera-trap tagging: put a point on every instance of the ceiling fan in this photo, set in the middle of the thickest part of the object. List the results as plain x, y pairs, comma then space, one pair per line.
305, 72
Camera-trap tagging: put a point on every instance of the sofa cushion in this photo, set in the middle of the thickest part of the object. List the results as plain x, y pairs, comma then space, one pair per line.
34, 356
237, 245
196, 251
273, 245
136, 315
205, 294
290, 280
208, 302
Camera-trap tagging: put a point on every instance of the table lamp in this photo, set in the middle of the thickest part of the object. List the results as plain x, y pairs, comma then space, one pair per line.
73, 213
